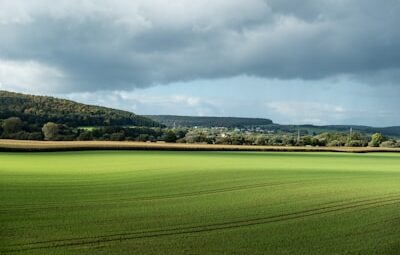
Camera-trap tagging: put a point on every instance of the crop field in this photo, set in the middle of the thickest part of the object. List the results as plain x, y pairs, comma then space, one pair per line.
185, 202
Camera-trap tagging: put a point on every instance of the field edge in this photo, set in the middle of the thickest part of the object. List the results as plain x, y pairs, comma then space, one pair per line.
7, 145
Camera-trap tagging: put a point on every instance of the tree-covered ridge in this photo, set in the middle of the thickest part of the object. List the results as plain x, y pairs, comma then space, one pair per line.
42, 109
191, 121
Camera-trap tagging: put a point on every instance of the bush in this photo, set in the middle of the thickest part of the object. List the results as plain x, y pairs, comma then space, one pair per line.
356, 143
223, 140
334, 143
38, 136
194, 137
105, 137
22, 135
261, 140
276, 140
389, 144
170, 137
85, 136
143, 138
120, 136
181, 140
322, 141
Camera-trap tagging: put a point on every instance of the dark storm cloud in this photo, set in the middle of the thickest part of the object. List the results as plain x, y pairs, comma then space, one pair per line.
107, 45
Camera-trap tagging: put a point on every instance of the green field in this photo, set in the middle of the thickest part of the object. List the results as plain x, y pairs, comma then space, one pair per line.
149, 202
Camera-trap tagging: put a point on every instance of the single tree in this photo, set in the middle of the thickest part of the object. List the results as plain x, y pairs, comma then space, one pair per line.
50, 131
170, 137
376, 140
12, 125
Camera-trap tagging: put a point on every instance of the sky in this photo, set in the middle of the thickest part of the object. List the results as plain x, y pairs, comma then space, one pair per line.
295, 62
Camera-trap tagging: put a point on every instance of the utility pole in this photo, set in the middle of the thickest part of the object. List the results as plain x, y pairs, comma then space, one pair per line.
298, 136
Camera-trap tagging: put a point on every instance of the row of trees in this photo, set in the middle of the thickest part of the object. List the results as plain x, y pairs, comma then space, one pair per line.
287, 139
15, 128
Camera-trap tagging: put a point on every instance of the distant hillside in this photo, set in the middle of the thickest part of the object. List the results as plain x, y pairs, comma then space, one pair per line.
390, 131
43, 109
230, 122
190, 121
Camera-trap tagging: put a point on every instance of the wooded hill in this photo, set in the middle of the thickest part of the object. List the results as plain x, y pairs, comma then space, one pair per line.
39, 110
191, 121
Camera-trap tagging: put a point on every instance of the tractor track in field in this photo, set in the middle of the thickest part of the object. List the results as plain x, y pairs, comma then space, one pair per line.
89, 203
101, 239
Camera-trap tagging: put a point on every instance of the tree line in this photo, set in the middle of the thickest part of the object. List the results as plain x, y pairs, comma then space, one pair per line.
15, 128
330, 139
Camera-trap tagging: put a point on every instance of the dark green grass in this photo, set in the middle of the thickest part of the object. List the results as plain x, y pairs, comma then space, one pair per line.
148, 202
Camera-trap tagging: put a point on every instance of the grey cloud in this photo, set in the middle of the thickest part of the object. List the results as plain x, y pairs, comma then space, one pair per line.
106, 45
149, 104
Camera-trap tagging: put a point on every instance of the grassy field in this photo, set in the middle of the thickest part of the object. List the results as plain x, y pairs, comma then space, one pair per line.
160, 202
